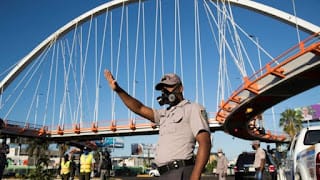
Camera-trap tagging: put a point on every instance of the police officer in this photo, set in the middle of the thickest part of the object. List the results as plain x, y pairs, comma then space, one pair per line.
105, 165
65, 168
182, 124
259, 159
86, 164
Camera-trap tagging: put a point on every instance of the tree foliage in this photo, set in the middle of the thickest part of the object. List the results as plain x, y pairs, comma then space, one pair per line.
39, 148
291, 122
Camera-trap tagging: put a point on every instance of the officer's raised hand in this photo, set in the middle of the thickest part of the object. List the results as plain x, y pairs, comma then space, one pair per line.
132, 103
112, 82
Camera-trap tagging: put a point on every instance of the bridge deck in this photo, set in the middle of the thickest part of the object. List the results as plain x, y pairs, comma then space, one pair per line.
298, 72
14, 130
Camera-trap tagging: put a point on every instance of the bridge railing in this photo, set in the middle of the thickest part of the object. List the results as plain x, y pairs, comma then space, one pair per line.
19, 128
11, 123
114, 125
286, 56
275, 65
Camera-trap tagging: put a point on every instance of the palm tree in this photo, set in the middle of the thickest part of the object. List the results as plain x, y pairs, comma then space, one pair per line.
38, 148
291, 121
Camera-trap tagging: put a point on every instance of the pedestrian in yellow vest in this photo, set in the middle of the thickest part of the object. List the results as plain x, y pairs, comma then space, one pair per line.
65, 168
86, 164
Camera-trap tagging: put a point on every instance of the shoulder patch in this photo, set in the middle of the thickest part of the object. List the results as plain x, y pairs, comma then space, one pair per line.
204, 115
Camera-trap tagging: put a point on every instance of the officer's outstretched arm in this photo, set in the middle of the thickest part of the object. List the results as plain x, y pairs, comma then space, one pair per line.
132, 103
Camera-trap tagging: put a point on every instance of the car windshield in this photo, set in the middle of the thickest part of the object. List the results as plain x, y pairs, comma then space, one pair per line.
312, 137
245, 159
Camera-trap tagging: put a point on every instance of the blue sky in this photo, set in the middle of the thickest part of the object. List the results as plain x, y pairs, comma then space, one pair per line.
25, 24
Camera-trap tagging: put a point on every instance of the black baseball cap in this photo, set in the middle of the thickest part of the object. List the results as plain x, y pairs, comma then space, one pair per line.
168, 80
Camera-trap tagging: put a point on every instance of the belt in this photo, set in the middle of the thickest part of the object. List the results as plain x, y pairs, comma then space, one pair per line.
175, 165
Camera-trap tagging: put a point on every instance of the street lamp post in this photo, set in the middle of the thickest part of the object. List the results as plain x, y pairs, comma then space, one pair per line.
256, 41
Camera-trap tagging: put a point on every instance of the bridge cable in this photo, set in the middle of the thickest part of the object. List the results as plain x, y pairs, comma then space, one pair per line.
155, 51
49, 85
55, 89
161, 37
180, 41
175, 39
200, 57
113, 94
127, 56
144, 55
296, 20
1, 97
196, 47
136, 56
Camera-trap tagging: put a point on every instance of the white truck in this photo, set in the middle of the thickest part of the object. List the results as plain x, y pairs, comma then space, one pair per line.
303, 158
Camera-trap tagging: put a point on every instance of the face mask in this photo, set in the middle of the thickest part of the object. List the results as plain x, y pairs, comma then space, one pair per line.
86, 152
168, 97
254, 148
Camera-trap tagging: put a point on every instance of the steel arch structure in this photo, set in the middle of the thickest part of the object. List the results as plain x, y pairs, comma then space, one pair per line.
256, 7
277, 14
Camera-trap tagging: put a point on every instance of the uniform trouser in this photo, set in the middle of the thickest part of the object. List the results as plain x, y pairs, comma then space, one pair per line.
258, 175
84, 176
72, 174
182, 173
2, 167
3, 161
222, 176
104, 174
65, 176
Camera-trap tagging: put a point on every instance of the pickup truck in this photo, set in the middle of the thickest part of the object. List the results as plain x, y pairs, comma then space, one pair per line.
303, 158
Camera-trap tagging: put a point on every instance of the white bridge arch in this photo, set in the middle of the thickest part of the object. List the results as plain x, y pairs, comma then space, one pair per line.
58, 38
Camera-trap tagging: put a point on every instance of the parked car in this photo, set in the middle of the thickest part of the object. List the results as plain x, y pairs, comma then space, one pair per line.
244, 167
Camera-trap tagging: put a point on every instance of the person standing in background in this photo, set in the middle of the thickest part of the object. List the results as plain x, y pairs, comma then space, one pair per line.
222, 165
65, 168
259, 159
4, 150
105, 165
86, 164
